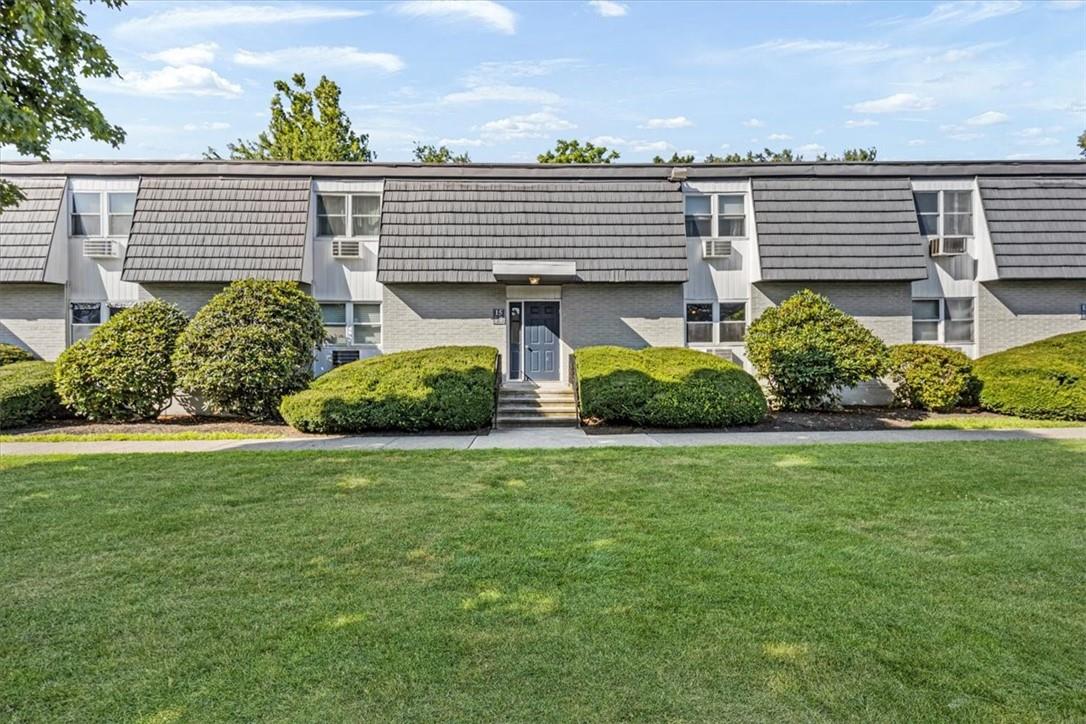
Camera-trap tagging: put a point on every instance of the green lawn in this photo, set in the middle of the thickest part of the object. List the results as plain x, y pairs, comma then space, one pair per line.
912, 583
132, 436
989, 422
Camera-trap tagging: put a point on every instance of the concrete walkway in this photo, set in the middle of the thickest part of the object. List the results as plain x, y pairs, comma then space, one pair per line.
528, 438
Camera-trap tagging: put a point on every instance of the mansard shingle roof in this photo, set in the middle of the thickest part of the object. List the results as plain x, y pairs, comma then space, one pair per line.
26, 230
842, 229
453, 231
1037, 225
217, 229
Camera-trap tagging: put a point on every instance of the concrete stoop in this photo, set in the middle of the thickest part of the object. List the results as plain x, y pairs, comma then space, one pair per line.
526, 406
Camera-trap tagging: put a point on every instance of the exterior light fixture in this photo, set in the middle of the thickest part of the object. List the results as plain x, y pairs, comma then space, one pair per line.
533, 280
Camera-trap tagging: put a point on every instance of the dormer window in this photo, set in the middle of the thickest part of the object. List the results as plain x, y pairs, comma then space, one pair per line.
90, 207
944, 213
362, 211
720, 216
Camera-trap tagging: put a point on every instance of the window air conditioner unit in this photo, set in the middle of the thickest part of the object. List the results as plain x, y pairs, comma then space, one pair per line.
346, 249
947, 246
99, 248
725, 353
715, 248
344, 356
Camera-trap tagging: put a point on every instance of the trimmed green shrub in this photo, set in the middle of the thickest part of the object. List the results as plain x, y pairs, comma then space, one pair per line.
27, 394
665, 387
1045, 379
807, 350
10, 354
441, 388
248, 347
929, 377
122, 372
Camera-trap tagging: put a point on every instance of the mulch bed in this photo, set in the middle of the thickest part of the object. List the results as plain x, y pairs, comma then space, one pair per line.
165, 424
850, 419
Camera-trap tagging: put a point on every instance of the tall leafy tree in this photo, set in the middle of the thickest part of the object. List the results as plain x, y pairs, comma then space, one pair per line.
429, 153
44, 50
675, 158
573, 152
785, 155
298, 133
1082, 144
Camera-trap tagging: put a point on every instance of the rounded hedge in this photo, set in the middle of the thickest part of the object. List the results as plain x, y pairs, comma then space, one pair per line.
665, 387
1045, 379
10, 354
27, 394
122, 371
249, 346
441, 388
929, 377
807, 350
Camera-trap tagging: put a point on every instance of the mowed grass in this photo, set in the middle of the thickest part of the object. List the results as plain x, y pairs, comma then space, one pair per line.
990, 422
919, 582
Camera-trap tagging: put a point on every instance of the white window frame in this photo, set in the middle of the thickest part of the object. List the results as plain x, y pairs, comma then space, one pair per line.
348, 208
716, 341
942, 213
942, 321
105, 313
715, 215
103, 214
349, 316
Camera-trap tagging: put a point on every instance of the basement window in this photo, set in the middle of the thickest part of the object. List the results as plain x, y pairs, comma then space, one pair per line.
351, 323
943, 321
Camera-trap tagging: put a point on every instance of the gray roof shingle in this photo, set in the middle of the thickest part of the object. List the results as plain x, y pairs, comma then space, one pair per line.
844, 229
1037, 225
452, 231
26, 230
217, 229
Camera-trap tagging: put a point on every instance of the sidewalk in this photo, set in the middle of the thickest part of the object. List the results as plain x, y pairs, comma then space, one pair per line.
529, 438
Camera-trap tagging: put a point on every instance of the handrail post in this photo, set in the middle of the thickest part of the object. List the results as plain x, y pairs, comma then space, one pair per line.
497, 390
575, 386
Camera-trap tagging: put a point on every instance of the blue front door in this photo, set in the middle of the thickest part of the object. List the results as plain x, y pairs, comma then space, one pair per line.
541, 341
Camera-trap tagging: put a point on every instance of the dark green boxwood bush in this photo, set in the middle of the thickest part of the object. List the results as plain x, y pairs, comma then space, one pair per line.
665, 387
929, 377
806, 350
1045, 379
441, 388
122, 372
27, 394
10, 354
248, 347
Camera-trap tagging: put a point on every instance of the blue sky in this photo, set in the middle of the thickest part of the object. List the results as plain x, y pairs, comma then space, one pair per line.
502, 81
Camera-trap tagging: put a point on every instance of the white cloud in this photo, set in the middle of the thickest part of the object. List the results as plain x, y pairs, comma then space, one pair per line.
199, 54
916, 142
778, 137
503, 93
320, 55
219, 15
967, 12
1066, 4
608, 141
959, 133
673, 122
1031, 132
184, 80
811, 148
454, 142
894, 103
860, 123
988, 118
753, 123
483, 12
633, 144
497, 72
206, 126
530, 125
725, 145
609, 8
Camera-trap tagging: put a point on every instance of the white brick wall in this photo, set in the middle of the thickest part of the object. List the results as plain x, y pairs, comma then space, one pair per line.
414, 316
33, 316
628, 315
1012, 313
883, 307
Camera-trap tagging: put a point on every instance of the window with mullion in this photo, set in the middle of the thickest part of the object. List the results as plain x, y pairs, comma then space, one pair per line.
733, 322
699, 323
348, 215
944, 213
120, 207
366, 321
731, 216
86, 213
334, 318
699, 216
949, 321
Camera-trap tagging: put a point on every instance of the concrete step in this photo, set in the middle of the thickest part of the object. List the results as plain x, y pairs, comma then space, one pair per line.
535, 421
527, 414
547, 395
538, 409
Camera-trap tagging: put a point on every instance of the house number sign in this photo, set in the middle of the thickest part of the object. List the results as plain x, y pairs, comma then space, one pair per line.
498, 315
